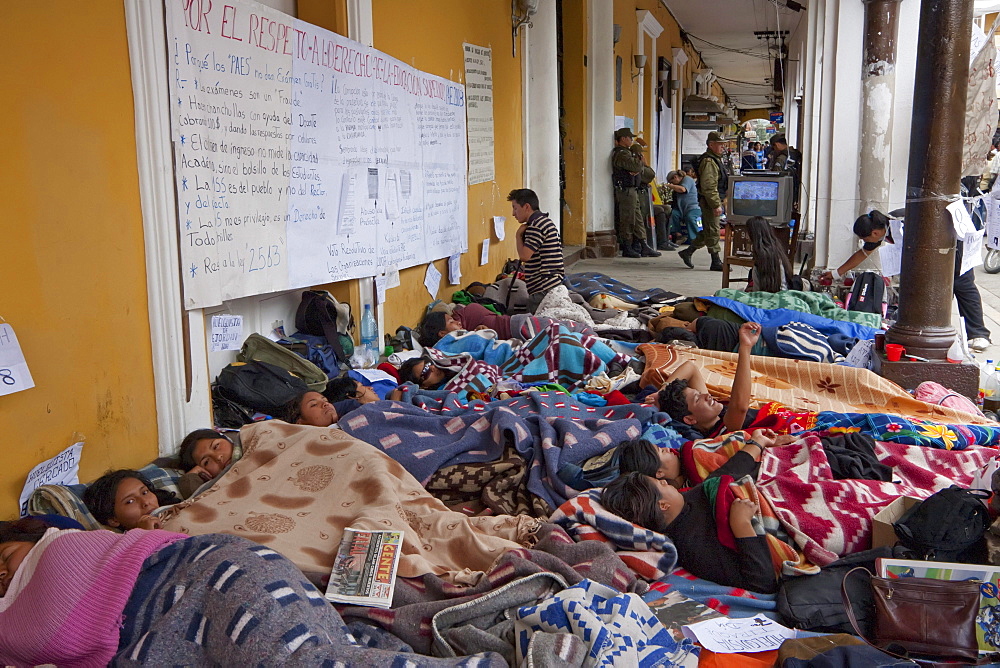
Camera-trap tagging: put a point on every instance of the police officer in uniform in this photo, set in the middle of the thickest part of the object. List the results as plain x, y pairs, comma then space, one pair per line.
713, 181
630, 224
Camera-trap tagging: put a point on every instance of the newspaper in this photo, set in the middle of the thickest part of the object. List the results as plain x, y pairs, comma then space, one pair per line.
364, 572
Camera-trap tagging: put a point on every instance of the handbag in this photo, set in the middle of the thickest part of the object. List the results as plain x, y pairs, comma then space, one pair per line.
921, 615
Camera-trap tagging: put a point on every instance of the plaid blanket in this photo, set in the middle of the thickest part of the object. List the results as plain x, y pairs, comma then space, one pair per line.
829, 518
223, 600
554, 355
650, 554
546, 430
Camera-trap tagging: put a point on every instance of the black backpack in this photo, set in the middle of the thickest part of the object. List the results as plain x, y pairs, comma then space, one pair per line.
320, 314
946, 526
258, 385
868, 294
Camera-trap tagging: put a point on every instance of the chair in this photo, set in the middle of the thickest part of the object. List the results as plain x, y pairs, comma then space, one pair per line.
738, 249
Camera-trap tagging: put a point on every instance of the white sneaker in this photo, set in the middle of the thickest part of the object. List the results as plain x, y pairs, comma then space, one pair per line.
979, 344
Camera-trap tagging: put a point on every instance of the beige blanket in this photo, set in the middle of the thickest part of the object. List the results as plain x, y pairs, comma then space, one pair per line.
298, 487
801, 386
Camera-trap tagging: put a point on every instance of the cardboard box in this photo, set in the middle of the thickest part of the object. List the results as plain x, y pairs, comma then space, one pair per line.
882, 531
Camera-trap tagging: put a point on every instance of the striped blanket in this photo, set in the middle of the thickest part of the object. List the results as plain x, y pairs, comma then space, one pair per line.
223, 600
650, 554
815, 303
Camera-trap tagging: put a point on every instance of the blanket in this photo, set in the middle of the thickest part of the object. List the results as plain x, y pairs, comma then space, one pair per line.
829, 518
590, 283
558, 304
730, 601
734, 311
554, 355
223, 600
64, 603
614, 629
298, 487
547, 430
800, 386
650, 554
815, 303
723, 491
434, 616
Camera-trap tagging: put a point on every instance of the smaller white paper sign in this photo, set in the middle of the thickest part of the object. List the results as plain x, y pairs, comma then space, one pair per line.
432, 280
485, 257
392, 277
455, 269
14, 374
63, 469
498, 227
227, 333
972, 251
961, 219
380, 289
730, 636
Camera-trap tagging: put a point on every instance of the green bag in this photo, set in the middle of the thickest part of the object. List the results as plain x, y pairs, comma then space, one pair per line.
263, 349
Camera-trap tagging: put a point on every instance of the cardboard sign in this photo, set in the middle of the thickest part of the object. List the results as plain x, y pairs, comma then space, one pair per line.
63, 469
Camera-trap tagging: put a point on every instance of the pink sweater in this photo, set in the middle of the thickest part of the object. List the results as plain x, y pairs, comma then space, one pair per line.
65, 603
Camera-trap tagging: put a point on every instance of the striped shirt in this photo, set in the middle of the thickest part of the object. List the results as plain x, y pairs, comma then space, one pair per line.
545, 270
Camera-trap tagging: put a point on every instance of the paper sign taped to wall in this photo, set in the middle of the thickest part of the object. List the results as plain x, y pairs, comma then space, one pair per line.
432, 280
14, 374
63, 469
392, 277
227, 333
498, 227
455, 269
380, 289
485, 257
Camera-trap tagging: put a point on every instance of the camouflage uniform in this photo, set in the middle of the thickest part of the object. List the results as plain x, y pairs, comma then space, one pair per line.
710, 180
629, 223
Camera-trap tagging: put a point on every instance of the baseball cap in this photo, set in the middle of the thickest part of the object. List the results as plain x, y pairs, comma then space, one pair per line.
623, 132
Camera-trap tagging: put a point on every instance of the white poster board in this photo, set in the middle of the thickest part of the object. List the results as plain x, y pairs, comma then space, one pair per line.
63, 469
14, 374
479, 111
304, 157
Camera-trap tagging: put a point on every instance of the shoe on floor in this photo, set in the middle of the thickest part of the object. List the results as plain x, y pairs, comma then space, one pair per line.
685, 255
667, 246
979, 344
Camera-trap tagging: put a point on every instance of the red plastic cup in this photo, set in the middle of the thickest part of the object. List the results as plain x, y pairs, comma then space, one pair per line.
894, 351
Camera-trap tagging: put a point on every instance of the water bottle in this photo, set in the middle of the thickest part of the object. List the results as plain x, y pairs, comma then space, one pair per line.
369, 331
987, 382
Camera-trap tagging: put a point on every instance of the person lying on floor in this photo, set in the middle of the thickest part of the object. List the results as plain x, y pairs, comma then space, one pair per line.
436, 324
700, 409
98, 597
313, 408
345, 387
205, 454
688, 519
794, 340
635, 455
697, 414
125, 499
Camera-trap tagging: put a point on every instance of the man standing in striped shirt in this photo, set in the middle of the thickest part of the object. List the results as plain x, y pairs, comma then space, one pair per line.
538, 246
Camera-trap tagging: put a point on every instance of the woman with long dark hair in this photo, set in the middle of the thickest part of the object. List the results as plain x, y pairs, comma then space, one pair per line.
772, 270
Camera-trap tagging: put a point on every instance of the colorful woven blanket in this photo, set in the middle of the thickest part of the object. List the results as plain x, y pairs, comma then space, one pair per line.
829, 518
815, 303
650, 554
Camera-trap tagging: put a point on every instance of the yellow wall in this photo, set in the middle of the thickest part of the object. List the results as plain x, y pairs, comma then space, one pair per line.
430, 39
573, 124
73, 270
750, 114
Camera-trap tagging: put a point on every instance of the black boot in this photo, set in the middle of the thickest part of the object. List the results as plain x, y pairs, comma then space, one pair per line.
716, 262
628, 250
685, 255
646, 250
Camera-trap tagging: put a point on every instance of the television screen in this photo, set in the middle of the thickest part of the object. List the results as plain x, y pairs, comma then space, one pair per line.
755, 198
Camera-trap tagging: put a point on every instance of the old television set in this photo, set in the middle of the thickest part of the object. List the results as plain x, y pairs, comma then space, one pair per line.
762, 194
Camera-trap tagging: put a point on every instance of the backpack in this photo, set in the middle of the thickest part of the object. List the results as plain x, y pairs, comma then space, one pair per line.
262, 349
227, 413
867, 294
320, 314
946, 526
258, 385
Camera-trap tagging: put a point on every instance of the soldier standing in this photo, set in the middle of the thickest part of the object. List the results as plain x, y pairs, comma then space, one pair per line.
630, 226
713, 181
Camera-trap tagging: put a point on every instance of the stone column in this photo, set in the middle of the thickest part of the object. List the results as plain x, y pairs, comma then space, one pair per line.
937, 127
